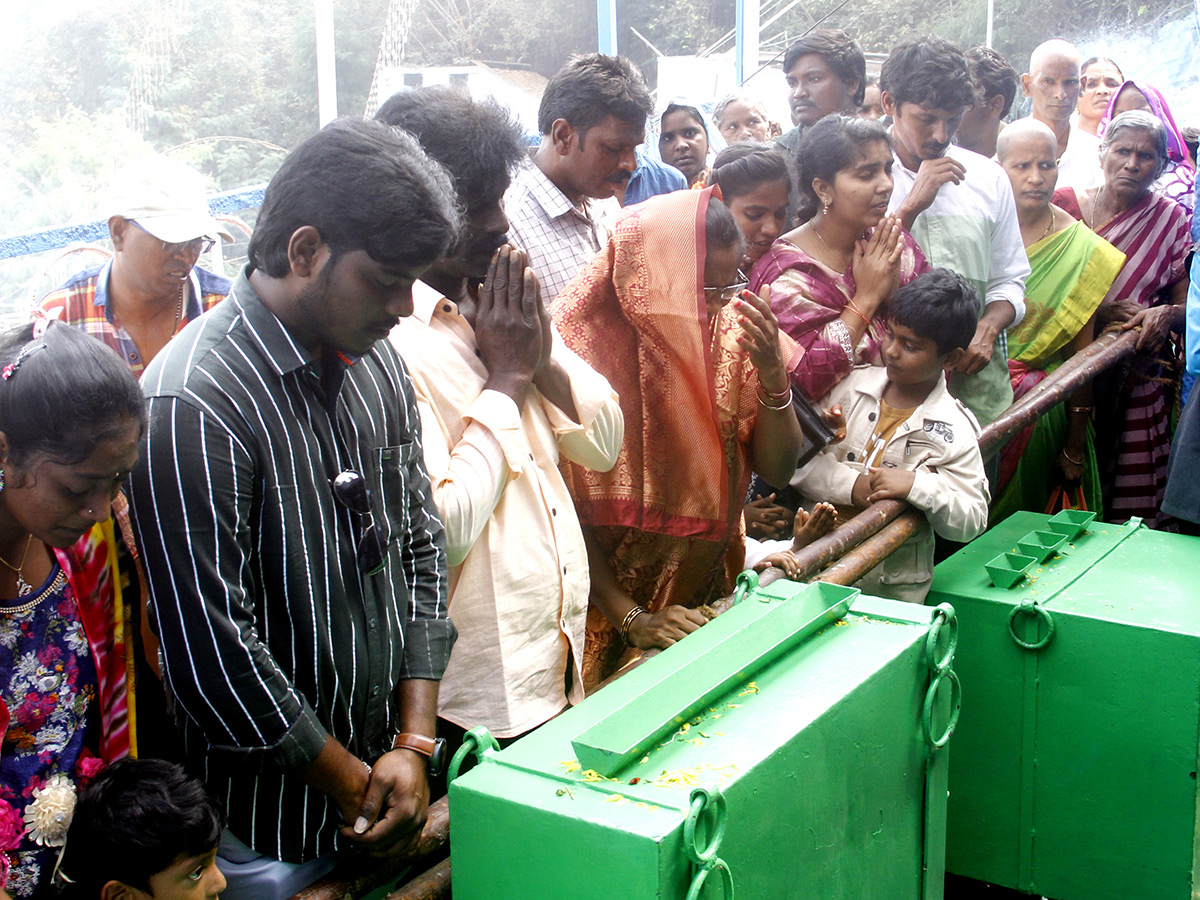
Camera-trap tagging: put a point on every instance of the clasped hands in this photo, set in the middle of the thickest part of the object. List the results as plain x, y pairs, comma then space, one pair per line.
387, 808
512, 325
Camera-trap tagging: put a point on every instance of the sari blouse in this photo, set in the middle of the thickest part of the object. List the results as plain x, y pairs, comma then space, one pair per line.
808, 298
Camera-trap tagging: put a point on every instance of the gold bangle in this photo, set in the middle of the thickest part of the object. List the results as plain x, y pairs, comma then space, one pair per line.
628, 621
1080, 409
858, 312
774, 395
1067, 456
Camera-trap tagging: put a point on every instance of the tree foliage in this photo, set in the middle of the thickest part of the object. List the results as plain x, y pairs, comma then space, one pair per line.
218, 69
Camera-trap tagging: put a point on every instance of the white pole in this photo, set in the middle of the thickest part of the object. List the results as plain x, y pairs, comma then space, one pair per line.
746, 28
992, 15
606, 26
326, 67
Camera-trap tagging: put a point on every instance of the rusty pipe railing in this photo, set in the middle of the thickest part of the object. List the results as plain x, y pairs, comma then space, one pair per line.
368, 875
862, 559
431, 885
1105, 351
828, 549
841, 557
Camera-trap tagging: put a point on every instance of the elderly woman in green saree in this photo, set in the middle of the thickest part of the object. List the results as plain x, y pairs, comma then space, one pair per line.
1072, 270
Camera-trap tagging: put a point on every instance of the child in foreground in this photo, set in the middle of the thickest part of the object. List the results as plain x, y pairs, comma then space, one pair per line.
906, 437
143, 829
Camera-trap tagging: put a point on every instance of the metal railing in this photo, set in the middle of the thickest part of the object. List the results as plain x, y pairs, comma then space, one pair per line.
58, 236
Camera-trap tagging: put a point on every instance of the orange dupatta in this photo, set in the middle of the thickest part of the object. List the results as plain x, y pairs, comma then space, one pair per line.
637, 315
668, 514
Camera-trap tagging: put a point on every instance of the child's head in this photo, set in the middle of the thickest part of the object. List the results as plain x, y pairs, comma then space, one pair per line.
143, 829
931, 320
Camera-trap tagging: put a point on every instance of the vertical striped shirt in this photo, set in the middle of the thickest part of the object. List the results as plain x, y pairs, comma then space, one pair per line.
271, 638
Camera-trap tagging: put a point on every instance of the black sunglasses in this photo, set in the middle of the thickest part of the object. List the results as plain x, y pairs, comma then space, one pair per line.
352, 492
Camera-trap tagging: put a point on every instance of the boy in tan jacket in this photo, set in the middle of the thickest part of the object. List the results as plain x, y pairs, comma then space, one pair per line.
906, 437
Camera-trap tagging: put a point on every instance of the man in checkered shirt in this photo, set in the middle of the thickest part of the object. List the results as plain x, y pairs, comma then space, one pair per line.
592, 117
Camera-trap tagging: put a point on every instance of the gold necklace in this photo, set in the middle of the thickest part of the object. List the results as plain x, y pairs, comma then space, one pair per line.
714, 338
812, 225
1051, 225
56, 585
23, 586
178, 311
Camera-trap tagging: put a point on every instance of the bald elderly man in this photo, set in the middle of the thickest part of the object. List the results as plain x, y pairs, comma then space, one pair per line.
1052, 84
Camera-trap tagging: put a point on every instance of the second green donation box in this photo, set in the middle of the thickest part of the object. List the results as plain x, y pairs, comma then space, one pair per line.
1074, 769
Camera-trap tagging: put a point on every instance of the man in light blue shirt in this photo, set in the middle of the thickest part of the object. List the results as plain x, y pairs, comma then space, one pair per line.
652, 177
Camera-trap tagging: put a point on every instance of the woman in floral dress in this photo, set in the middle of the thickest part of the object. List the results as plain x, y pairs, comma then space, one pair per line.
71, 417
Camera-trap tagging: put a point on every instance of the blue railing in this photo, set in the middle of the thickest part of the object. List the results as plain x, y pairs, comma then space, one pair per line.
53, 238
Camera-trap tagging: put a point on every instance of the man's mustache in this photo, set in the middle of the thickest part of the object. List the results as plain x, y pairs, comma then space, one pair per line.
618, 177
486, 244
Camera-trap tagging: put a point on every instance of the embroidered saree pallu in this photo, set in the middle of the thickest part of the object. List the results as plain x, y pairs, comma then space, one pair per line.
668, 516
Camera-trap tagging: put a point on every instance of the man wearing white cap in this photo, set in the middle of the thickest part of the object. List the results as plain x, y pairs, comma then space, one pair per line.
159, 223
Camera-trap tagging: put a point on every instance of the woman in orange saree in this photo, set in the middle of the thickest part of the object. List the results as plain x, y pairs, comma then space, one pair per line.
705, 395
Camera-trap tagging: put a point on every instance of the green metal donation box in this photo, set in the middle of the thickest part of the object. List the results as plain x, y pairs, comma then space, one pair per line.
1074, 770
791, 748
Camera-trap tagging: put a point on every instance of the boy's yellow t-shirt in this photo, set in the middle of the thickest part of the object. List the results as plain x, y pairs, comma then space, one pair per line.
890, 419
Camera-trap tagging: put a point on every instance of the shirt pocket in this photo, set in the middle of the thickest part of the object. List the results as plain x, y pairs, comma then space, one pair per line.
392, 464
911, 452
908, 563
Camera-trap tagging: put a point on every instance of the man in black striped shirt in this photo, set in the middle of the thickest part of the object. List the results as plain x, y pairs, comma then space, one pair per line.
296, 561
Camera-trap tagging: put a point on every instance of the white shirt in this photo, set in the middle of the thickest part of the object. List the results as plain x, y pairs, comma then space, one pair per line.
971, 228
518, 566
1079, 166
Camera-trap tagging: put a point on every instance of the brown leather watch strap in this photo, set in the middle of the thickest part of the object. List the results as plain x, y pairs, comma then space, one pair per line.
418, 743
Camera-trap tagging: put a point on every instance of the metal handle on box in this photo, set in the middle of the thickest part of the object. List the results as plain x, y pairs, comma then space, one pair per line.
940, 665
477, 742
931, 700
704, 859
1031, 608
747, 582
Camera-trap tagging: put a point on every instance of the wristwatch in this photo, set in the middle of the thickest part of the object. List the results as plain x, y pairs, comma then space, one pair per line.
433, 749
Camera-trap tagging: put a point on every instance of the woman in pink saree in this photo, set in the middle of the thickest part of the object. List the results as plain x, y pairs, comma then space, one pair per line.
1133, 438
830, 277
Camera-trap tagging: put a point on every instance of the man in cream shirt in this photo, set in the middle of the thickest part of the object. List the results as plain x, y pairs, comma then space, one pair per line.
501, 398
